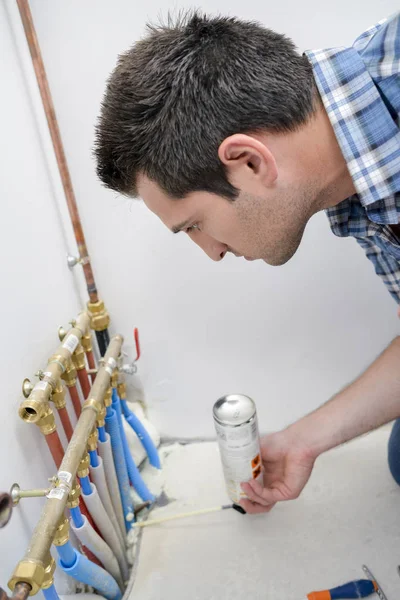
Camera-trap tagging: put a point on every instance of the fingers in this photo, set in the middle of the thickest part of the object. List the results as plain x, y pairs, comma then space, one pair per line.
258, 500
255, 509
259, 494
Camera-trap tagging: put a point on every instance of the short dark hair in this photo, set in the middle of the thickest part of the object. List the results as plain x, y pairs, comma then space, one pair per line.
179, 92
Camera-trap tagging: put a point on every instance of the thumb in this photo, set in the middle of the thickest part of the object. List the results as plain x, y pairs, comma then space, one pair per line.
262, 495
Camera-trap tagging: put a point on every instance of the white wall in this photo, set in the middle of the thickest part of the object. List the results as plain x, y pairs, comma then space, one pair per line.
289, 337
38, 293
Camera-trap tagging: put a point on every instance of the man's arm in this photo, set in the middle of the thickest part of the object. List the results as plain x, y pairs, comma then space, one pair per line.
289, 456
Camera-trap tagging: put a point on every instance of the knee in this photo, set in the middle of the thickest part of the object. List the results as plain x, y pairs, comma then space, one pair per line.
394, 452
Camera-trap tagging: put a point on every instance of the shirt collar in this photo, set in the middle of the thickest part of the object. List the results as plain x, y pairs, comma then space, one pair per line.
365, 130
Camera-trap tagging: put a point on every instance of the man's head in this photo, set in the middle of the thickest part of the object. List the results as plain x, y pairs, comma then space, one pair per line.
201, 119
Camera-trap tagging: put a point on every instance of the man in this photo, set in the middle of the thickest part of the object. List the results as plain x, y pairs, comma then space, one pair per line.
232, 137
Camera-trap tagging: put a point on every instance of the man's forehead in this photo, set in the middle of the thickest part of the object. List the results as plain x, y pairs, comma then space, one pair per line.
170, 211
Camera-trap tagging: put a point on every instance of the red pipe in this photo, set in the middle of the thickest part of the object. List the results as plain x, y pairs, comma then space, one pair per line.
92, 557
84, 381
55, 447
76, 401
91, 363
66, 423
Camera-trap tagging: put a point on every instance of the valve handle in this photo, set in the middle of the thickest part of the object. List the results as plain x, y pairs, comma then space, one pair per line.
137, 343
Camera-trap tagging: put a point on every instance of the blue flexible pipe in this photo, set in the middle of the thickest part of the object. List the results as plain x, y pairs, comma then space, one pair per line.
133, 472
51, 593
94, 458
87, 572
86, 485
142, 434
120, 466
66, 552
77, 517
102, 434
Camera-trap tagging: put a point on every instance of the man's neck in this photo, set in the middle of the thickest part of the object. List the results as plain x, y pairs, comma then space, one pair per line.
326, 156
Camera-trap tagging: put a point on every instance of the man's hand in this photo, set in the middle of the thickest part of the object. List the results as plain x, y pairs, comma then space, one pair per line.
287, 464
289, 456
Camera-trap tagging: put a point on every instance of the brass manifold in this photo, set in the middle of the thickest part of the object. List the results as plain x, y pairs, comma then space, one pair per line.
36, 407
99, 317
33, 567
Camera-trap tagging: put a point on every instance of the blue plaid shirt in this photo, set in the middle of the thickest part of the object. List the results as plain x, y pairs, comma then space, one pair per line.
360, 89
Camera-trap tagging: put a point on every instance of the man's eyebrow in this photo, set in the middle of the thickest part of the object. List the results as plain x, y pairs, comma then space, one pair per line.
178, 228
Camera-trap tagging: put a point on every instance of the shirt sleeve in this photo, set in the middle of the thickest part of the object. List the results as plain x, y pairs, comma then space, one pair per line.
387, 267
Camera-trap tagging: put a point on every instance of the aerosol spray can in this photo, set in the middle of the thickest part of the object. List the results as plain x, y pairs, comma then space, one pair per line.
235, 420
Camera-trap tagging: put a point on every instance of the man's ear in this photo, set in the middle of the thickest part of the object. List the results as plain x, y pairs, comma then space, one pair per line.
244, 155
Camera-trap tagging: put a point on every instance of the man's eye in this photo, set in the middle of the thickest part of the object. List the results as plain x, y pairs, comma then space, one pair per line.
192, 228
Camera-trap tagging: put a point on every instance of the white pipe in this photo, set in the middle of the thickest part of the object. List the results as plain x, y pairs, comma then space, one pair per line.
106, 454
91, 539
98, 477
106, 528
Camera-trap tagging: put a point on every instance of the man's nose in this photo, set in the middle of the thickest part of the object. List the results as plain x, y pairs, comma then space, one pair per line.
214, 249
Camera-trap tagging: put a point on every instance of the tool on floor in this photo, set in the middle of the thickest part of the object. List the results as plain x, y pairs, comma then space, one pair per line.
354, 589
193, 513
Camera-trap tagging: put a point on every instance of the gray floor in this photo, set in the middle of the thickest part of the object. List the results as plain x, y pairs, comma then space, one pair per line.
348, 515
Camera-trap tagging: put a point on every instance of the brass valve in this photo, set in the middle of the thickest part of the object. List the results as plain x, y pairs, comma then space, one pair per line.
69, 375
58, 396
83, 469
92, 440
50, 567
47, 423
86, 342
121, 387
101, 415
78, 358
61, 535
74, 495
114, 379
99, 317
28, 571
108, 397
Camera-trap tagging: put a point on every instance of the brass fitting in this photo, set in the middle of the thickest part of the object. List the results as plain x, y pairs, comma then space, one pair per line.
101, 416
34, 407
94, 403
47, 423
61, 535
69, 375
83, 469
74, 495
86, 342
78, 358
108, 397
28, 571
50, 567
114, 379
58, 396
121, 387
92, 440
99, 317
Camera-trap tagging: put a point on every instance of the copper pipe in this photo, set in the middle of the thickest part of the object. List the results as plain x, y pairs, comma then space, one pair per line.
34, 48
55, 447
21, 592
91, 363
76, 401
66, 422
84, 382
